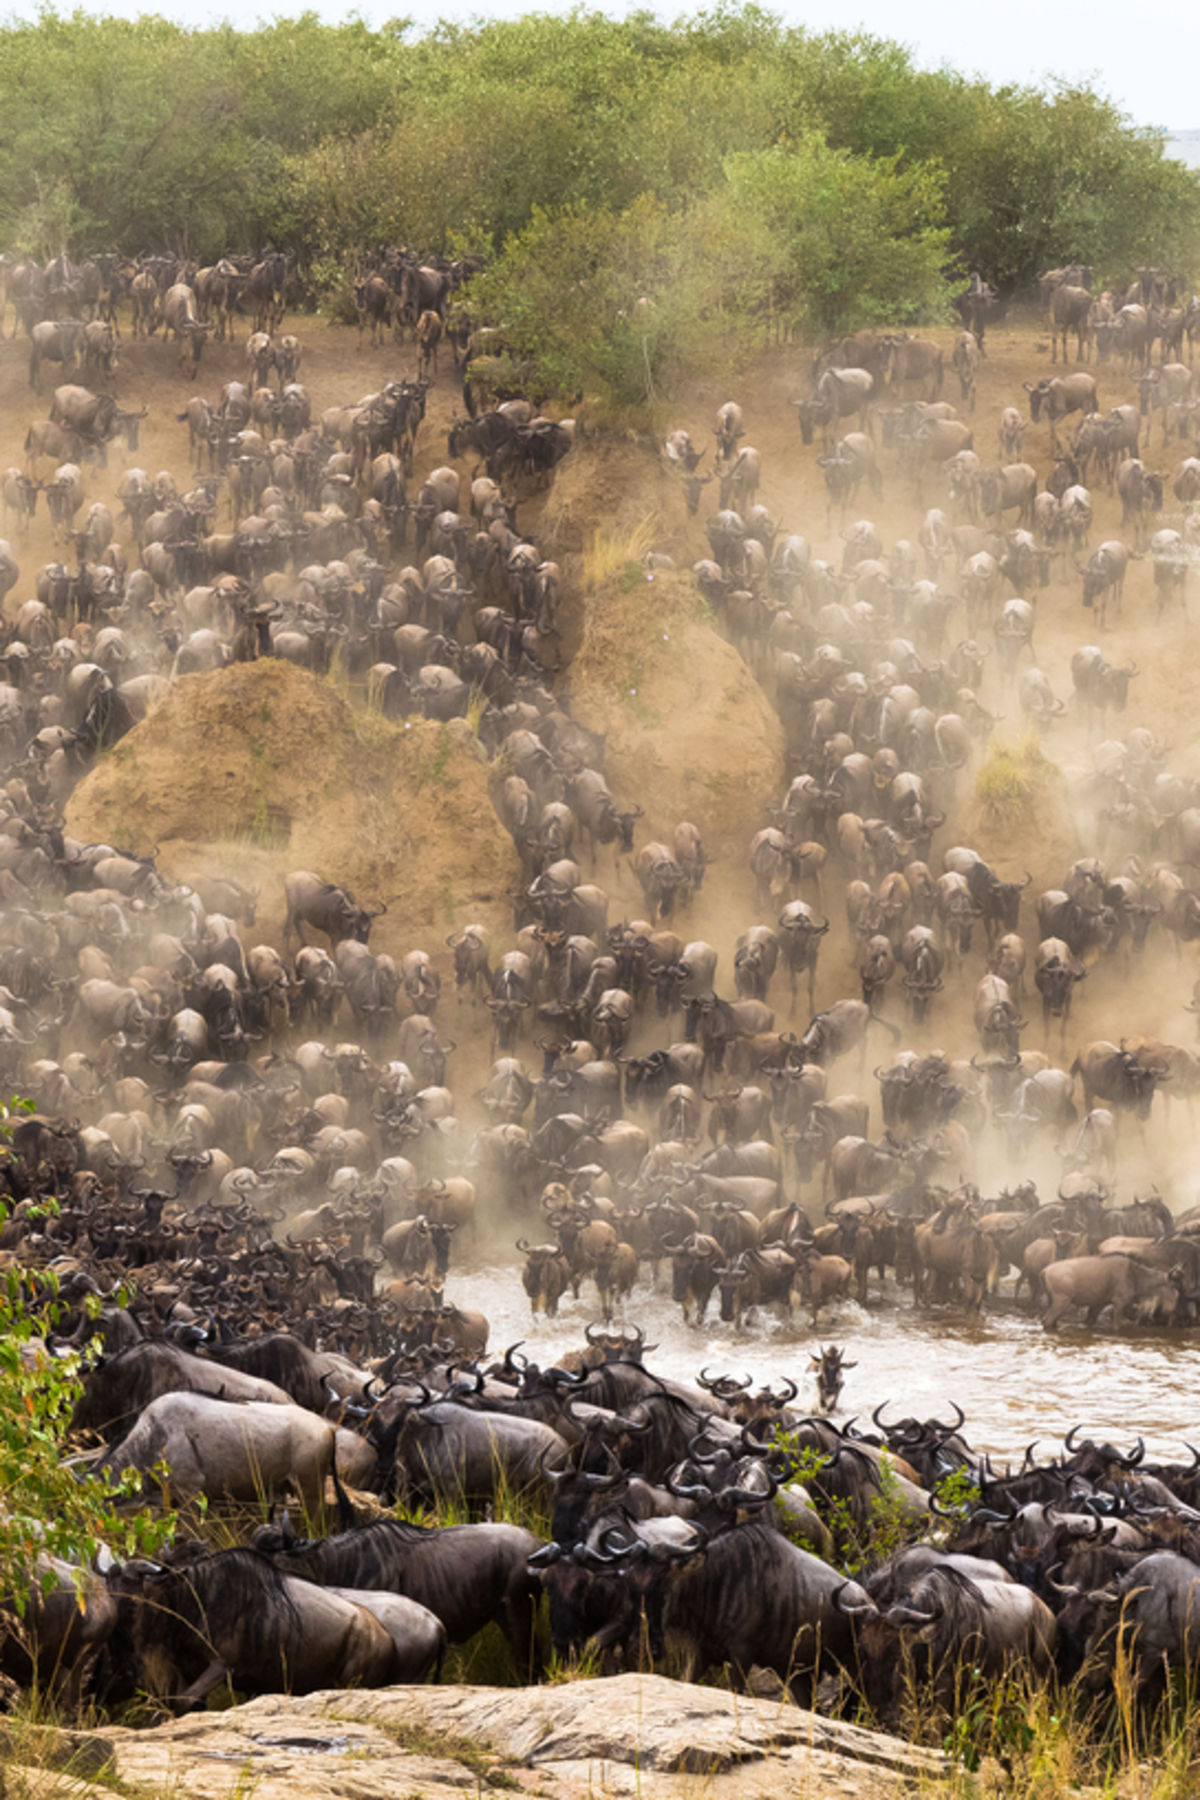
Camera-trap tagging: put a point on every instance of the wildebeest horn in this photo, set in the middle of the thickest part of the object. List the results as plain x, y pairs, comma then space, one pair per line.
542, 1559
949, 1430
853, 1609
552, 1475
909, 1615
688, 1490
1062, 1587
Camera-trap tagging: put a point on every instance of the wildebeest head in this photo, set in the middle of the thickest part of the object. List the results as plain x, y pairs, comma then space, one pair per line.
1138, 1082
1038, 397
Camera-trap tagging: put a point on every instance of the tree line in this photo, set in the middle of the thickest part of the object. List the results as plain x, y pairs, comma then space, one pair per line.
688, 177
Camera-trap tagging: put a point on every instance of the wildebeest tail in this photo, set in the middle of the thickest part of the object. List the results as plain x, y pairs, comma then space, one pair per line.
346, 1520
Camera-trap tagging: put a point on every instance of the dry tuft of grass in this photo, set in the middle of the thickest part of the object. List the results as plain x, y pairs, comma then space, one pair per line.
1011, 781
616, 553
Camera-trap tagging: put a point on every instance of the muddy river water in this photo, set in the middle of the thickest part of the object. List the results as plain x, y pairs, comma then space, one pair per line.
1014, 1381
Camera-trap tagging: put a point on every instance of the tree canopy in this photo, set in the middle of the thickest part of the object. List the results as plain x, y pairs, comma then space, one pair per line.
728, 161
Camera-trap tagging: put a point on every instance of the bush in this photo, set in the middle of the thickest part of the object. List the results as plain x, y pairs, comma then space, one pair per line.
46, 1510
627, 304
833, 182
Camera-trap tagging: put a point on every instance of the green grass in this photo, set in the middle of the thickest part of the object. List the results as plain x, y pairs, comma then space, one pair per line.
431, 770
483, 1763
1039, 1741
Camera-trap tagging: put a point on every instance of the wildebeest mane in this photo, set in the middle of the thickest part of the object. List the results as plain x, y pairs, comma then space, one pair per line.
234, 1595
279, 1357
339, 1560
121, 1387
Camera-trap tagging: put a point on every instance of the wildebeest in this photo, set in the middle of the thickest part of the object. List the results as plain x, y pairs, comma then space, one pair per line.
1104, 578
946, 1629
1170, 559
227, 1450
913, 359
1054, 397
183, 322
1117, 1076
60, 341
236, 1617
1009, 488
851, 462
830, 1366
466, 1575
376, 304
323, 906
264, 291
747, 1596
838, 394
965, 360
1055, 974
1092, 1284
1101, 686
1070, 310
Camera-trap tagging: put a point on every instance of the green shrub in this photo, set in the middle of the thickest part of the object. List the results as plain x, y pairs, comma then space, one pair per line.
49, 1508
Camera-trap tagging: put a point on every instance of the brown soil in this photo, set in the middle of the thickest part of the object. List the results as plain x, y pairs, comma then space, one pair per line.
690, 733
261, 768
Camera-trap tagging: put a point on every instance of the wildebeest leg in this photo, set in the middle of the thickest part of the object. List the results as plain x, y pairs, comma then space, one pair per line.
192, 1698
518, 1628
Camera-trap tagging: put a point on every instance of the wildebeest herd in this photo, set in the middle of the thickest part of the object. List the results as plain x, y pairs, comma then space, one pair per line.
266, 1139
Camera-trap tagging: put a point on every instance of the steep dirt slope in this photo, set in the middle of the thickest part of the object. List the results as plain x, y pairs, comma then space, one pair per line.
262, 768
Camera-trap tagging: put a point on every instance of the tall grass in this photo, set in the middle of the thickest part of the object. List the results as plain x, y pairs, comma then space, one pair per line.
617, 552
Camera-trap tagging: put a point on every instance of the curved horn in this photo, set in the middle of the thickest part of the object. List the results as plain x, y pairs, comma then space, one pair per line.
852, 1609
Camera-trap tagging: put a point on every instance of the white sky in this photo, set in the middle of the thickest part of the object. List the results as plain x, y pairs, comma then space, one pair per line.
1141, 59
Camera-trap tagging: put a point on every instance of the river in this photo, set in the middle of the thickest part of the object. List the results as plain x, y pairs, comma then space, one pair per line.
1014, 1381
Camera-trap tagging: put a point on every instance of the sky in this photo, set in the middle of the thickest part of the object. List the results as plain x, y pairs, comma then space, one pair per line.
1142, 60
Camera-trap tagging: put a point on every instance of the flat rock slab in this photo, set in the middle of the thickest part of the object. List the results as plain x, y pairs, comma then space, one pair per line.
630, 1734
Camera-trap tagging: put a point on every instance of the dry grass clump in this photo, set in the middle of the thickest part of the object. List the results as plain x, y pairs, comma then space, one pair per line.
1011, 781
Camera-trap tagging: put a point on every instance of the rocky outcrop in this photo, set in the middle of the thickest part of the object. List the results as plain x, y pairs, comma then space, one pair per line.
631, 1734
